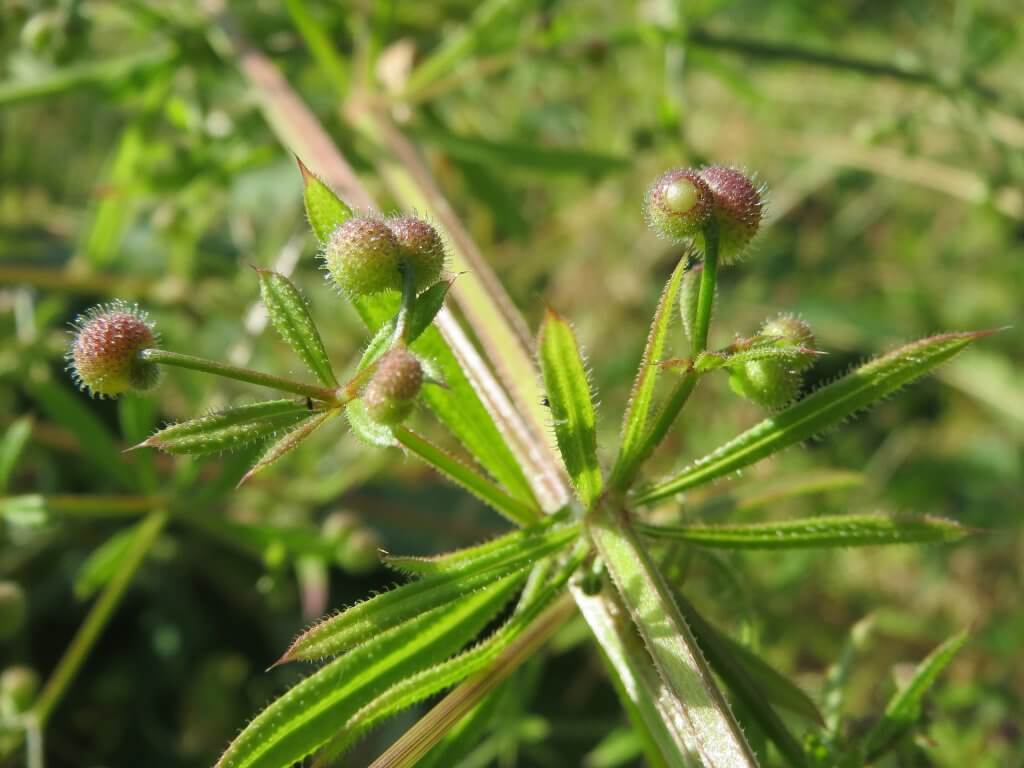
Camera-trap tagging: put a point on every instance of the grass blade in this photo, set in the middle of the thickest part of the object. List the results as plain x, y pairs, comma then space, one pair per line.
311, 713
289, 314
572, 407
814, 532
229, 429
634, 425
515, 510
817, 412
904, 709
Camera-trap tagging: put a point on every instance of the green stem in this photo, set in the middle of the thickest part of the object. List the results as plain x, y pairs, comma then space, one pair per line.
706, 296
408, 302
709, 730
87, 635
165, 357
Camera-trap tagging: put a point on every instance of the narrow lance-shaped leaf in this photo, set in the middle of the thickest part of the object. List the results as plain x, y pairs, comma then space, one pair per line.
229, 429
427, 305
817, 412
452, 671
814, 532
904, 709
550, 532
312, 712
291, 440
289, 314
572, 409
363, 620
325, 210
515, 510
634, 424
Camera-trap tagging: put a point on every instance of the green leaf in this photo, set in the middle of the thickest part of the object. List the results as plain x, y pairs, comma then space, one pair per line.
363, 620
289, 314
482, 657
99, 449
229, 429
312, 712
13, 443
634, 425
289, 441
813, 532
733, 663
325, 210
710, 361
817, 412
464, 475
103, 562
708, 730
548, 536
572, 409
457, 404
904, 709
425, 309
366, 429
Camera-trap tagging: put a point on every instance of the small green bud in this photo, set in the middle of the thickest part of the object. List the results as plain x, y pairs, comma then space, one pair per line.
767, 382
12, 609
678, 204
792, 331
104, 353
419, 246
362, 257
737, 209
689, 293
18, 687
392, 390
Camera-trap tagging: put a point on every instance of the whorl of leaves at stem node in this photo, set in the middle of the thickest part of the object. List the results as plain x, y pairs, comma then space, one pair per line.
104, 352
362, 257
420, 246
391, 393
678, 204
737, 208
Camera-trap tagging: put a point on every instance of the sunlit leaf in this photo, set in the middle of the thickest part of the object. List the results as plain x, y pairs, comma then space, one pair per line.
427, 305
289, 314
814, 532
290, 440
325, 210
312, 712
572, 407
817, 412
634, 425
229, 429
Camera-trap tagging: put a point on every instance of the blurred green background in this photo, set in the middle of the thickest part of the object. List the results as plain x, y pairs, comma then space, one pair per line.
137, 162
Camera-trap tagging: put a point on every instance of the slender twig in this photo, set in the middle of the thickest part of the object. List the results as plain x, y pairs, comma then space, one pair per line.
104, 607
217, 368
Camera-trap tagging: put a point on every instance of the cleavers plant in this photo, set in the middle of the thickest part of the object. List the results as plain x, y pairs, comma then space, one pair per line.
675, 671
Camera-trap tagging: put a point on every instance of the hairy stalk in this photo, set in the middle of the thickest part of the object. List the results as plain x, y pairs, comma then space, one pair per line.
98, 617
191, 362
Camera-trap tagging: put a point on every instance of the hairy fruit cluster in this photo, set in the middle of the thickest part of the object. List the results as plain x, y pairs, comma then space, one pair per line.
367, 255
104, 354
392, 390
774, 382
682, 202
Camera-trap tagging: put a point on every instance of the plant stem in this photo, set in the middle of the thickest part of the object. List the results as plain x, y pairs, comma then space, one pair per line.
408, 302
710, 731
99, 615
165, 357
706, 296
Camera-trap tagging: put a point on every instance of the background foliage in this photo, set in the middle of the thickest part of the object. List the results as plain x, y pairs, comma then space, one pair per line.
135, 163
